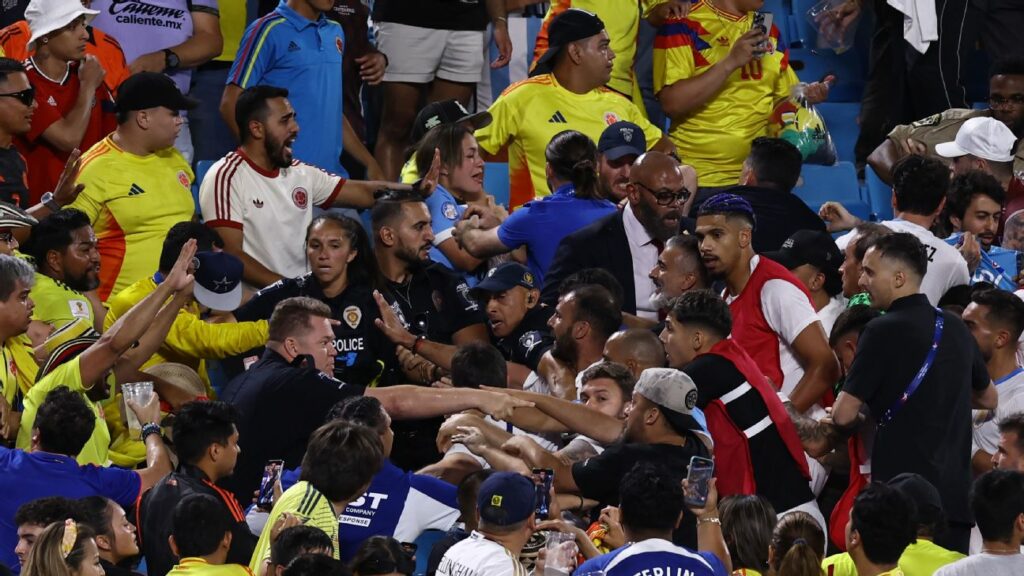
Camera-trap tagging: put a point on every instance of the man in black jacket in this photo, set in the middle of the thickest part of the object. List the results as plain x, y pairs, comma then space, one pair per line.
206, 441
770, 173
628, 242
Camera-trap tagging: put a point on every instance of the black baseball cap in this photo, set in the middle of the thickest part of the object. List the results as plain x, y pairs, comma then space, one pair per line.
923, 493
814, 247
622, 139
504, 277
446, 112
151, 90
569, 26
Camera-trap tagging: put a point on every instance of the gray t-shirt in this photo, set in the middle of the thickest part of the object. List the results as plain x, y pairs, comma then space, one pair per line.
985, 565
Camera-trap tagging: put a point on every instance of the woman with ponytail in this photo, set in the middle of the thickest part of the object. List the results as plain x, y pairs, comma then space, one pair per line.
798, 544
540, 225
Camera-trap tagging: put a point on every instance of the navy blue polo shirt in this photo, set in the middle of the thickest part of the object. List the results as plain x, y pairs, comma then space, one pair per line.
288, 50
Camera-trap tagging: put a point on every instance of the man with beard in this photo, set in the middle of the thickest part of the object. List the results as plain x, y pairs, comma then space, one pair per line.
628, 242
619, 146
63, 246
1006, 104
773, 319
679, 269
583, 321
430, 306
256, 193
975, 203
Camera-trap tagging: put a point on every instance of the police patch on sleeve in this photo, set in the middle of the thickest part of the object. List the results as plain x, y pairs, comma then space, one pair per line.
932, 120
463, 290
529, 340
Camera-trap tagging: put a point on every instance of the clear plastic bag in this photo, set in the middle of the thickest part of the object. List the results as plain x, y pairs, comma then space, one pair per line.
836, 23
800, 124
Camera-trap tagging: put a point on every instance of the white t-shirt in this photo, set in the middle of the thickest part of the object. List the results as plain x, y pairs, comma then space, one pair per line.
986, 422
788, 311
831, 311
272, 209
946, 267
478, 556
985, 565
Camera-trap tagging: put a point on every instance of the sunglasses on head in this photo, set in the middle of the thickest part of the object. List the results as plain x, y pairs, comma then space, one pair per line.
25, 96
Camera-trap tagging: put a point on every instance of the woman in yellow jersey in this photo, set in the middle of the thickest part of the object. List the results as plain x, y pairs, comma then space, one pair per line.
747, 525
64, 549
798, 544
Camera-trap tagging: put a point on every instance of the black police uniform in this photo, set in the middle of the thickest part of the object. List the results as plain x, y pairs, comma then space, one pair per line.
530, 339
365, 356
436, 303
279, 404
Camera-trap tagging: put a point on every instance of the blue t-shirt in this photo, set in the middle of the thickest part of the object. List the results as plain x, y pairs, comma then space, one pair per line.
445, 212
654, 556
998, 266
288, 50
27, 476
399, 504
541, 225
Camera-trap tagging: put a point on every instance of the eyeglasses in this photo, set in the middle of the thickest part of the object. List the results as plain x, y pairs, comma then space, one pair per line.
667, 197
7, 237
25, 96
1015, 101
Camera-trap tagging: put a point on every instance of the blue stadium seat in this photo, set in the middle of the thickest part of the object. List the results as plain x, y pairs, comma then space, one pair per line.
841, 120
424, 544
836, 183
879, 195
812, 64
496, 181
202, 167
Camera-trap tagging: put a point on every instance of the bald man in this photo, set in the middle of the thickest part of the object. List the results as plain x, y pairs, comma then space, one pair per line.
637, 349
628, 243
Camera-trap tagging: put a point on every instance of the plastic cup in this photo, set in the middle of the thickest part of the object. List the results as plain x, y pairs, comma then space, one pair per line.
140, 393
560, 554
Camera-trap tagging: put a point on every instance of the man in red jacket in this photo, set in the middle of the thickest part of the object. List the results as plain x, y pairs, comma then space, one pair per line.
774, 320
757, 450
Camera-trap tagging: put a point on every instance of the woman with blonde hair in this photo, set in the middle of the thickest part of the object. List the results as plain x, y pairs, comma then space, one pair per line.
64, 549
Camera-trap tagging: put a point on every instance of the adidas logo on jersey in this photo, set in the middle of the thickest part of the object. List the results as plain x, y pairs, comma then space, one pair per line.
557, 118
293, 47
135, 190
51, 101
257, 202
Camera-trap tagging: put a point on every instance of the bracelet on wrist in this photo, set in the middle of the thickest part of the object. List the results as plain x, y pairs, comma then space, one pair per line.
150, 428
709, 519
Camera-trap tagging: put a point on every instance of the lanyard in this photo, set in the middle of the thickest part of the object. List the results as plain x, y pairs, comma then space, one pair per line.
919, 377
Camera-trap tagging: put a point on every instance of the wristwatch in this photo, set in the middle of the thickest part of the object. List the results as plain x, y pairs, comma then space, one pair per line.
171, 60
48, 201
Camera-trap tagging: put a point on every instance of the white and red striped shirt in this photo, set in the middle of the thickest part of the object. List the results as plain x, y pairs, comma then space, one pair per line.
273, 209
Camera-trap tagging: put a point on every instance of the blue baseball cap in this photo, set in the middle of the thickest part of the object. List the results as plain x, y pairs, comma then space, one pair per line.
622, 139
506, 498
505, 276
218, 280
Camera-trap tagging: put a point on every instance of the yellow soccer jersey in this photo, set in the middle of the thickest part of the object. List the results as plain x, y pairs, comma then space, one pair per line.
57, 303
132, 202
531, 112
716, 137
67, 374
312, 508
9, 372
200, 567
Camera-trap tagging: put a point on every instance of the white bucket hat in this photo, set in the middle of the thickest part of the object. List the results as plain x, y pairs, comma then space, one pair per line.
45, 16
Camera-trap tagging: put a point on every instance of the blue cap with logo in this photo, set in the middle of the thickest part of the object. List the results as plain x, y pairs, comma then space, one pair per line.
218, 280
506, 498
622, 139
505, 276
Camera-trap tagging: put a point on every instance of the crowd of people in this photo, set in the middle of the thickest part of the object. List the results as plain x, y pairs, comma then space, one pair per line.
259, 314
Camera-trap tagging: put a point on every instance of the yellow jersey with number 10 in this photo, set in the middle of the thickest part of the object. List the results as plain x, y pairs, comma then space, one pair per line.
715, 138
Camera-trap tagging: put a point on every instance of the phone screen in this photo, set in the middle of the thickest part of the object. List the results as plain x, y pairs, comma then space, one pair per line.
271, 473
700, 473
543, 477
763, 20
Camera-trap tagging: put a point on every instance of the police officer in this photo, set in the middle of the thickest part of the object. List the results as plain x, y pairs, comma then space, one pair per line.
344, 274
287, 394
